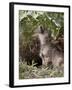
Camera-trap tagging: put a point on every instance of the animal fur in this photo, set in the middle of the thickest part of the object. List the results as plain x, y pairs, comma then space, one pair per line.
50, 55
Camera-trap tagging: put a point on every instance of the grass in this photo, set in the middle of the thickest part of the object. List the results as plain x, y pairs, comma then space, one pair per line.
30, 72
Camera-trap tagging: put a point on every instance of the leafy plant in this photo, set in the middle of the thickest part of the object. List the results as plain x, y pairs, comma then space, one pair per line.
28, 22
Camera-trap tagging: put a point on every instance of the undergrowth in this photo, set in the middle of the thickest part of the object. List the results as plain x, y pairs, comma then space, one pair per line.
30, 72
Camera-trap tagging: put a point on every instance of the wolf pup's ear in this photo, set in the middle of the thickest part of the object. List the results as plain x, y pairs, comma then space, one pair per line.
49, 33
42, 29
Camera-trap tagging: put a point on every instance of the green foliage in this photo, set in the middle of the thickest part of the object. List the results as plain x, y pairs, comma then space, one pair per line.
29, 20
30, 72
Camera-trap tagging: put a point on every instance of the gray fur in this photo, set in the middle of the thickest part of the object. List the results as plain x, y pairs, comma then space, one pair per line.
48, 53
